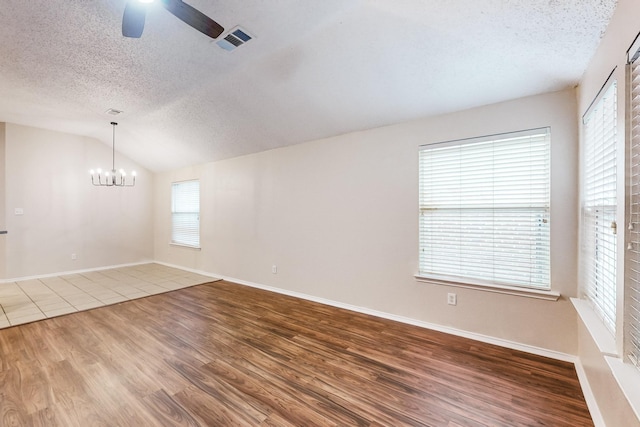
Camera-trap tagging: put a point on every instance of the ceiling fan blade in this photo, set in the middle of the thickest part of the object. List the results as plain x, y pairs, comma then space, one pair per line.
194, 18
133, 19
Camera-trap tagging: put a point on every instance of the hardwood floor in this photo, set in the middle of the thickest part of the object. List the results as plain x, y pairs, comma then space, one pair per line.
224, 354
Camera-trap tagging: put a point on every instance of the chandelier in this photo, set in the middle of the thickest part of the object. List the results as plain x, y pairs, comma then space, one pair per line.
112, 178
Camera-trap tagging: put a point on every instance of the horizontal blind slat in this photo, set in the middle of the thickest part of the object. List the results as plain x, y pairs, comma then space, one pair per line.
632, 278
185, 213
484, 209
600, 206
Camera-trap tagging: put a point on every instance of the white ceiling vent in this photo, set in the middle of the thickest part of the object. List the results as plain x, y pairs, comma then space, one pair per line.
113, 112
234, 39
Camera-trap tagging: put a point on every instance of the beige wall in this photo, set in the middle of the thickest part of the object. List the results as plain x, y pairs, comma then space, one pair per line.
339, 217
47, 176
610, 55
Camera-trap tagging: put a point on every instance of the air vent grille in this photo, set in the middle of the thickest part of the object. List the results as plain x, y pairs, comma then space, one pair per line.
234, 39
113, 112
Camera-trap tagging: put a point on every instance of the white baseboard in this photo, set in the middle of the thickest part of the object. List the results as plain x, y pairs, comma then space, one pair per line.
589, 397
86, 270
446, 329
190, 270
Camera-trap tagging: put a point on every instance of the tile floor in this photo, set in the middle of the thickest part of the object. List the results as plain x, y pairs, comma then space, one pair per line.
31, 300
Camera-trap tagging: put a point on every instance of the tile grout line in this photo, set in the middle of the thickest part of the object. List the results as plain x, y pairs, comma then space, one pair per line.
62, 296
30, 299
129, 276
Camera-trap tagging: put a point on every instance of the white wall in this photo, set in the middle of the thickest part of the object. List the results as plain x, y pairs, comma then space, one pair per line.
339, 217
610, 55
47, 176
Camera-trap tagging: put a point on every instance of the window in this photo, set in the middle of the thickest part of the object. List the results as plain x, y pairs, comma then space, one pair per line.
185, 213
484, 210
600, 205
632, 277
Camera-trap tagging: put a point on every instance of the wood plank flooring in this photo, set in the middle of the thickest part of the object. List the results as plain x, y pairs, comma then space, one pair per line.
223, 354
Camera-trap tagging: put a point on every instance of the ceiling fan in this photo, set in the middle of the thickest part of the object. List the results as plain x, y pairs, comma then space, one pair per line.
136, 10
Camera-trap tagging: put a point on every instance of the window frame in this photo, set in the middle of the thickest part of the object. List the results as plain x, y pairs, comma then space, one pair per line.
477, 282
189, 235
631, 304
599, 269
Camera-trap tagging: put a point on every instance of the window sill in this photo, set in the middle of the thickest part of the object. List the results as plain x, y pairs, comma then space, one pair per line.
500, 289
601, 336
628, 378
625, 374
180, 245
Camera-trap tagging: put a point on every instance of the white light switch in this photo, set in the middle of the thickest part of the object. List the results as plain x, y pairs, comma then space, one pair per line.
19, 211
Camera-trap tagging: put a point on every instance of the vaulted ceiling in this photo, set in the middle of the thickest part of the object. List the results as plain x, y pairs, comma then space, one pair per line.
314, 69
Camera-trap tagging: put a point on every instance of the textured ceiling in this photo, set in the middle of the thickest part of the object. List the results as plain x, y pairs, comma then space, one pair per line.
315, 69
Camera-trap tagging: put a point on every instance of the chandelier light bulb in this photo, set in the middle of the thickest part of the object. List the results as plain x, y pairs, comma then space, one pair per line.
133, 173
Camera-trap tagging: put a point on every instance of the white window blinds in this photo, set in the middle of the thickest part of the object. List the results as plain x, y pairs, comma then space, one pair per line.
484, 210
600, 205
632, 279
185, 213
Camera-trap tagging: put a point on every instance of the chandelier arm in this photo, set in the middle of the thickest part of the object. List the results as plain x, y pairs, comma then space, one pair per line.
112, 178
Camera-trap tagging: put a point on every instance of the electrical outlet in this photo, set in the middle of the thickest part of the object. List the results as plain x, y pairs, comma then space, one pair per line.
19, 211
274, 269
452, 299
74, 257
